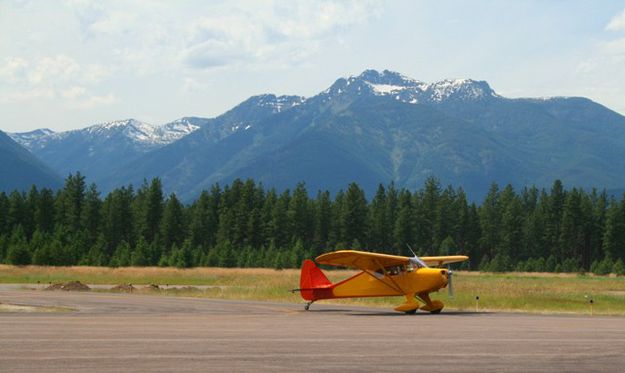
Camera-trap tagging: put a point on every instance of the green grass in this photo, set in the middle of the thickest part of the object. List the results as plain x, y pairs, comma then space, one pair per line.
522, 292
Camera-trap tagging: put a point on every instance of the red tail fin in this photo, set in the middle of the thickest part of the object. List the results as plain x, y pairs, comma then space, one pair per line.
311, 279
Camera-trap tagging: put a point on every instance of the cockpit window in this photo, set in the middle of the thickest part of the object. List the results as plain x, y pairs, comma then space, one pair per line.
393, 270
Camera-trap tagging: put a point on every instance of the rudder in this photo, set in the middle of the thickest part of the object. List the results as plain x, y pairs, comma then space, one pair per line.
312, 278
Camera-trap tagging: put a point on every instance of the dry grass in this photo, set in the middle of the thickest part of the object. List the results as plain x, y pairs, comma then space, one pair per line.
524, 292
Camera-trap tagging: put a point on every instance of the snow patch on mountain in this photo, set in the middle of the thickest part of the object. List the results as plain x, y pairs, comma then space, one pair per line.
140, 133
27, 139
278, 103
408, 90
386, 88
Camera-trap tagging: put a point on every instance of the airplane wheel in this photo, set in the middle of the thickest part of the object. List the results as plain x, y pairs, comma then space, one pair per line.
307, 307
411, 312
435, 312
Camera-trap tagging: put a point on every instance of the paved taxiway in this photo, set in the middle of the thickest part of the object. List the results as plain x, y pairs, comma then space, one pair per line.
131, 332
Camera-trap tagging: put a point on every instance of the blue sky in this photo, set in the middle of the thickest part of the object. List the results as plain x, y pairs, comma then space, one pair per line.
69, 64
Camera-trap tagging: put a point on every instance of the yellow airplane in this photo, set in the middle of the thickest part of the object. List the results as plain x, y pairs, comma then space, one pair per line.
381, 275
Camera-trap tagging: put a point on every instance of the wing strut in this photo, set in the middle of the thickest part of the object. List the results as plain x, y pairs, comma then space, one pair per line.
396, 287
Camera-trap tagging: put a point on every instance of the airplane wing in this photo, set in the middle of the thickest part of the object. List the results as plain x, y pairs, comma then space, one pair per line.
437, 261
361, 260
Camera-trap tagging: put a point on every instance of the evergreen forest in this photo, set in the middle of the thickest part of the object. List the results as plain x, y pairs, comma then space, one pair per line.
245, 224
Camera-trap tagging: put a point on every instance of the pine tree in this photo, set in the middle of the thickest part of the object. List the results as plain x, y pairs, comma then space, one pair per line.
16, 211
225, 255
4, 212
18, 252
474, 232
205, 219
91, 213
96, 254
153, 210
614, 236
117, 219
172, 225
619, 268
44, 211
42, 255
271, 199
429, 206
462, 227
391, 214
490, 221
323, 220
512, 229
445, 217
378, 220
353, 215
554, 218
404, 225
140, 256
279, 220
298, 215
121, 257
448, 246
597, 226
30, 206
73, 199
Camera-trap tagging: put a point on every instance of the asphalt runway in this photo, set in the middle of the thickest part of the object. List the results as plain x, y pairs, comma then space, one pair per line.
141, 333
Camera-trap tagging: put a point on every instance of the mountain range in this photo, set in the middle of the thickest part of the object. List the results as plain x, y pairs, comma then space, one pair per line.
373, 128
20, 169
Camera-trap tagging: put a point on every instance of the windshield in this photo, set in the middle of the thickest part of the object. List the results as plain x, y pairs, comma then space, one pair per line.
417, 262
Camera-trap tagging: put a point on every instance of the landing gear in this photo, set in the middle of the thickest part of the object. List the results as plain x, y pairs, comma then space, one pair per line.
410, 306
307, 306
431, 306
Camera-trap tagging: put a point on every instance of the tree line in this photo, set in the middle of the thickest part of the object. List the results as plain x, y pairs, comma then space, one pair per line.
245, 224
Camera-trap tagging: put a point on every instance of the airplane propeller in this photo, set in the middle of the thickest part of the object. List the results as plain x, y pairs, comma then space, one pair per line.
450, 283
418, 262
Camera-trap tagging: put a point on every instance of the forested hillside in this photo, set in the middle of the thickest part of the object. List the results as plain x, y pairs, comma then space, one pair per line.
19, 168
246, 225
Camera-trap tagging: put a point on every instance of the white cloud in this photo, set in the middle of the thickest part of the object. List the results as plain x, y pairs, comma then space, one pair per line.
617, 23
279, 34
91, 102
52, 78
87, 53
57, 68
29, 94
73, 92
13, 70
191, 85
601, 74
50, 69
78, 97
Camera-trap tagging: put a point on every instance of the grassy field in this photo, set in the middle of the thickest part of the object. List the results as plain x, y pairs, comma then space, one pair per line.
525, 292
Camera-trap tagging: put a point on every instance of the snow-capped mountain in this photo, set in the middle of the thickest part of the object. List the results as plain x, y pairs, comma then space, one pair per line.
408, 90
141, 133
27, 139
378, 127
98, 149
375, 127
177, 129
277, 103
